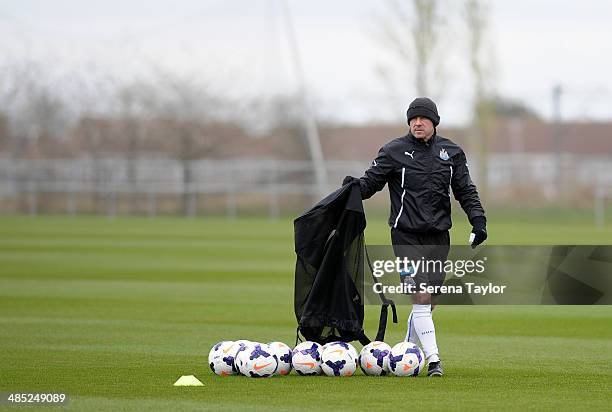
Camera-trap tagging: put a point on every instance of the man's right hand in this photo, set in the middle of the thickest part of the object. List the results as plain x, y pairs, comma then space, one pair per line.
348, 180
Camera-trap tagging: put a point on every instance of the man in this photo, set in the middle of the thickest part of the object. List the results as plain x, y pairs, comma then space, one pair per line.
421, 168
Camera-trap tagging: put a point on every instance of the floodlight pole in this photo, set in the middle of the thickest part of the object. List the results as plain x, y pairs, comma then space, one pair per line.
310, 124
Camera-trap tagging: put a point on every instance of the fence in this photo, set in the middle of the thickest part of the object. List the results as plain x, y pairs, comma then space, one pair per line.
153, 186
115, 181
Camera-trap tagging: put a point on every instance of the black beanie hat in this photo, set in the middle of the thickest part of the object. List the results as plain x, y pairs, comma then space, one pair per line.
423, 106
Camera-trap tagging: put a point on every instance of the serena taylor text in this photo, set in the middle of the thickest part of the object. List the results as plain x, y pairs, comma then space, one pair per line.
471, 288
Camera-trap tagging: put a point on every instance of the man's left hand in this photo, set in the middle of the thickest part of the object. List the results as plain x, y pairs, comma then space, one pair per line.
479, 231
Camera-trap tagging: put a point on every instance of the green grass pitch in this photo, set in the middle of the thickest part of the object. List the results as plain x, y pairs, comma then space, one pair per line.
112, 312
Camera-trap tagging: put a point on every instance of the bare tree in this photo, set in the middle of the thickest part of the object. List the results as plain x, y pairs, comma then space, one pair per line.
190, 115
7, 94
4, 137
410, 31
94, 131
475, 16
35, 109
130, 130
425, 39
284, 113
93, 135
159, 113
36, 114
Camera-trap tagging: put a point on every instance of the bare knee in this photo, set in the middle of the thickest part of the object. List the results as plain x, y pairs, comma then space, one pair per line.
421, 298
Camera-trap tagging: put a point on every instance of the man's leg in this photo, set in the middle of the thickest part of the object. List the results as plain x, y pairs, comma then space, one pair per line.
420, 323
436, 279
411, 334
424, 328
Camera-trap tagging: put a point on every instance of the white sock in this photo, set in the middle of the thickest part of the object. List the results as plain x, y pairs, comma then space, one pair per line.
411, 335
425, 330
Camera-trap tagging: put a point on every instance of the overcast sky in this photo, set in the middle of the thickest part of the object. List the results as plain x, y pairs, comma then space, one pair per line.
240, 47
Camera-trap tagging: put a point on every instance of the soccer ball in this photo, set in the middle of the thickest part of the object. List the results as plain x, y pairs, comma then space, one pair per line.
406, 359
258, 361
283, 353
336, 360
306, 358
221, 358
241, 346
374, 358
241, 360
340, 344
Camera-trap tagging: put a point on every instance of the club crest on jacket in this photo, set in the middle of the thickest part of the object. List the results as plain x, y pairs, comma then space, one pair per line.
443, 154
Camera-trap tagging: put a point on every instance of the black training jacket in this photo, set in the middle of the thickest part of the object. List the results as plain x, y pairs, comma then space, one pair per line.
420, 177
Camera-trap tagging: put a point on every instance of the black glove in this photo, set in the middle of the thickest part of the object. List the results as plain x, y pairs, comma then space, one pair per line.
479, 229
348, 180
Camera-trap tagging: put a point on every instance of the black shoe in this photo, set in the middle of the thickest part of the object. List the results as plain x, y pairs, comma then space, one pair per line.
435, 369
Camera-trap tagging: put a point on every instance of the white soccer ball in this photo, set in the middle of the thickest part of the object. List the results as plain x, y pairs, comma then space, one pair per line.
239, 349
258, 361
244, 341
340, 344
336, 360
241, 361
374, 358
221, 358
306, 358
283, 354
406, 359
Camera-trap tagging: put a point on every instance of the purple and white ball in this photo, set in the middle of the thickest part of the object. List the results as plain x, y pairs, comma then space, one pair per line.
406, 359
259, 361
241, 345
374, 358
344, 345
306, 358
336, 360
221, 358
283, 353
